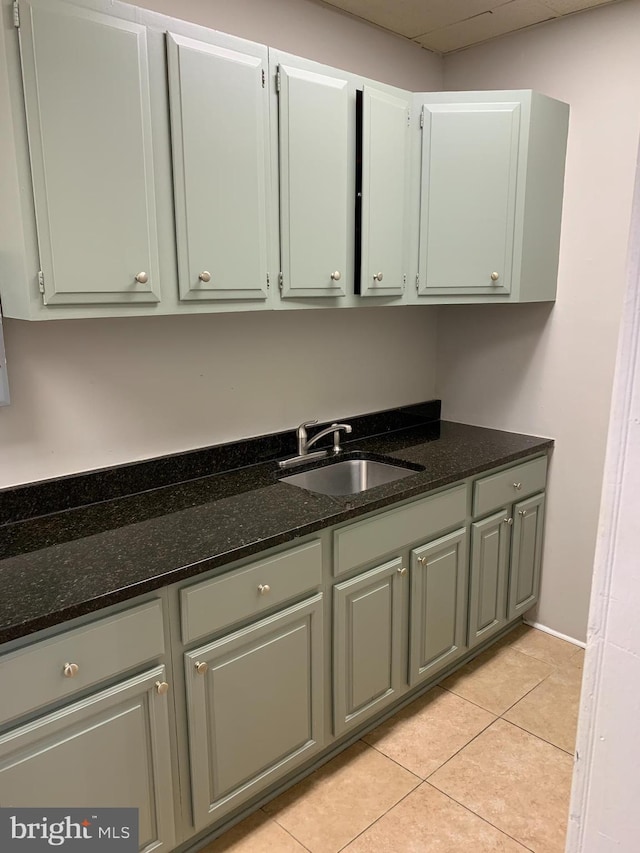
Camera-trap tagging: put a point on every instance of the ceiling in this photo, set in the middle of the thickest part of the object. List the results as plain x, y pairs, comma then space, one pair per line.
447, 25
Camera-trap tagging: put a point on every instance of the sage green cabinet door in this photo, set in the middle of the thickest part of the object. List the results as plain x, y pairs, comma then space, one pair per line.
86, 86
219, 132
490, 540
526, 555
468, 196
385, 153
367, 643
438, 618
315, 209
255, 707
109, 750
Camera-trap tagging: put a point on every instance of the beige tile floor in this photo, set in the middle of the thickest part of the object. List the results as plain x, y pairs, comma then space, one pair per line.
481, 763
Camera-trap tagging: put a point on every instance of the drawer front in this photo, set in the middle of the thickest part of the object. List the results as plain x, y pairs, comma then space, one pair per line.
509, 486
369, 540
35, 676
212, 605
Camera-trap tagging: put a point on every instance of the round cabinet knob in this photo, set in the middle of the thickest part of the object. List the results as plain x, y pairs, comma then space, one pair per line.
142, 277
522, 512
70, 670
402, 571
336, 276
264, 588
201, 667
162, 687
508, 520
205, 275
422, 561
517, 486
495, 276
378, 276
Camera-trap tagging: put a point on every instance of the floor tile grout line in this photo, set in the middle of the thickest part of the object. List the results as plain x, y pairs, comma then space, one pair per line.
451, 757
384, 754
373, 823
543, 739
475, 814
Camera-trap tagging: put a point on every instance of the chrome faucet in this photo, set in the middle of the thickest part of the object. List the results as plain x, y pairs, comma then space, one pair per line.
304, 443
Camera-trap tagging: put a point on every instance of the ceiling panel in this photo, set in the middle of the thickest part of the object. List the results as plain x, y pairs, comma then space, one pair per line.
447, 25
503, 19
412, 18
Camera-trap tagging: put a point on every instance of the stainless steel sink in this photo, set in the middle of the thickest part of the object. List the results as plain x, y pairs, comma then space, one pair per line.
348, 477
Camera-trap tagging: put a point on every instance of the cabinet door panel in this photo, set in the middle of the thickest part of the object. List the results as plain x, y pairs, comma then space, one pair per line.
314, 192
87, 98
257, 712
367, 643
110, 750
469, 171
526, 555
488, 583
385, 137
219, 129
438, 605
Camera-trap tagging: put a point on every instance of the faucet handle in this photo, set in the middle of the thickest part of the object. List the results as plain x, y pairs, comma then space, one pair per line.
307, 424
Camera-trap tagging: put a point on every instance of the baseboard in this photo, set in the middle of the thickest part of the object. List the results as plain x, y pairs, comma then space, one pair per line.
555, 633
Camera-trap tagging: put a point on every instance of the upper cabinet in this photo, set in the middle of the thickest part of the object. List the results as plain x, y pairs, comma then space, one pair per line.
492, 169
220, 136
88, 106
315, 186
382, 183
152, 166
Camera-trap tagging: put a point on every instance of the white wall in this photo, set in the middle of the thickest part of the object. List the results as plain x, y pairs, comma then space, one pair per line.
544, 370
89, 393
604, 814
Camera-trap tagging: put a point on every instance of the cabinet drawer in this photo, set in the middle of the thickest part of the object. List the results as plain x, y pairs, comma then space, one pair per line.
365, 541
509, 486
212, 605
35, 676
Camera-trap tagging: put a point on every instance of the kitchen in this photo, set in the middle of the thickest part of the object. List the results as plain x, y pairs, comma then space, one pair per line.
93, 393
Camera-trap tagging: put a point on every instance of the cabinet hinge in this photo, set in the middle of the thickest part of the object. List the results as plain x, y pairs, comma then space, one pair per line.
408, 118
40, 281
422, 118
417, 281
268, 281
404, 281
263, 78
280, 282
278, 80
16, 14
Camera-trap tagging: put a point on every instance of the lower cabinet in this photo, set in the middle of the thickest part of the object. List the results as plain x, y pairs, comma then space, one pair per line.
490, 540
438, 619
108, 750
367, 643
526, 555
255, 707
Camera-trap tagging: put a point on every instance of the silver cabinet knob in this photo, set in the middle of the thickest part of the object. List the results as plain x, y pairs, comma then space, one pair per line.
70, 670
264, 588
201, 667
336, 276
522, 512
422, 561
517, 486
508, 520
205, 275
495, 276
162, 687
402, 571
142, 277
378, 276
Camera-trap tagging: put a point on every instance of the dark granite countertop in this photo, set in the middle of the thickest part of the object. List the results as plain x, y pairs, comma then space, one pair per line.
59, 566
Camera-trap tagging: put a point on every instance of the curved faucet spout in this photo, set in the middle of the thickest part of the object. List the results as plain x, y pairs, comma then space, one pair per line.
335, 429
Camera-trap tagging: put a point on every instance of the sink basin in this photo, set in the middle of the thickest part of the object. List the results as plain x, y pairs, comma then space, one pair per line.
349, 476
